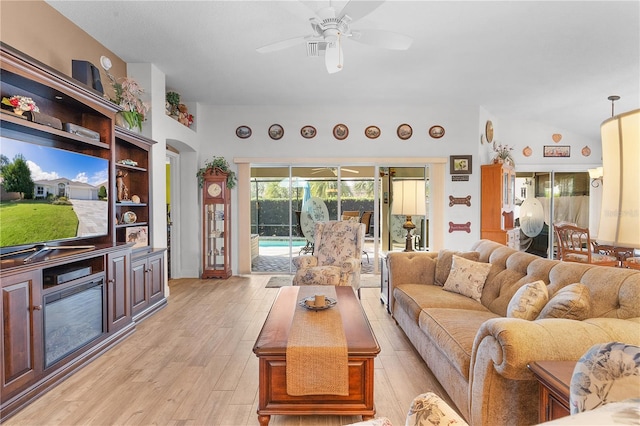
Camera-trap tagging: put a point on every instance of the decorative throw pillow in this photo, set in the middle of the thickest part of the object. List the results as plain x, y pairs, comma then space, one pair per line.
467, 277
528, 301
443, 265
570, 302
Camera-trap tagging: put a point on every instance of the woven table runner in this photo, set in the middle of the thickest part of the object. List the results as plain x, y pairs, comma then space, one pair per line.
317, 356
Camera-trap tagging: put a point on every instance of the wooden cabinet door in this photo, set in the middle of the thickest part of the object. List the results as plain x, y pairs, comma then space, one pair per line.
139, 286
118, 293
156, 277
21, 313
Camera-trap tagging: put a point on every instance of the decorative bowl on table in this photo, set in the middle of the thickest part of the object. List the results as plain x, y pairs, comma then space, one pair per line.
309, 303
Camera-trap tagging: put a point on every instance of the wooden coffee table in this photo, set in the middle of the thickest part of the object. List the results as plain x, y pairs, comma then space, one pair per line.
271, 347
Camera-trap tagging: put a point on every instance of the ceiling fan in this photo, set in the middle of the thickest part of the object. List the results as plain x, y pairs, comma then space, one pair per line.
333, 170
331, 28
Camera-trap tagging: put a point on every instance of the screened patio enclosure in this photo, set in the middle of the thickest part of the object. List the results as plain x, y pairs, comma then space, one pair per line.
279, 195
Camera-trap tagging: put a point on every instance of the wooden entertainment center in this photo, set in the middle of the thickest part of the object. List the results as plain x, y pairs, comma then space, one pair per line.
90, 291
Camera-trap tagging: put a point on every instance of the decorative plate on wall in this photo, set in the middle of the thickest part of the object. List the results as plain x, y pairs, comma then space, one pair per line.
488, 131
436, 132
276, 132
404, 131
340, 131
586, 151
308, 132
372, 132
527, 151
243, 132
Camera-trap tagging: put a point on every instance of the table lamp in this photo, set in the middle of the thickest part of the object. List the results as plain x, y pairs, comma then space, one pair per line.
409, 200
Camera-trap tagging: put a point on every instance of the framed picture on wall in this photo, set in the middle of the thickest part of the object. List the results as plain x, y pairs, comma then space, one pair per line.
460, 164
557, 151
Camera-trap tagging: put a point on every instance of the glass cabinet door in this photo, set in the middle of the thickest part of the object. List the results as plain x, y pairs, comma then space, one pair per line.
215, 240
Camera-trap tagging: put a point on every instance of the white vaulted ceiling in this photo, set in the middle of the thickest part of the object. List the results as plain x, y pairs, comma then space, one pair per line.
549, 61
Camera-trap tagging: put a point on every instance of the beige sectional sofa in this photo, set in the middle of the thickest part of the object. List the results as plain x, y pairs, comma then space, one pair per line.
480, 355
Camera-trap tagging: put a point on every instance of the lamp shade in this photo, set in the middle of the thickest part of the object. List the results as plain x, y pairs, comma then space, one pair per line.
409, 198
620, 215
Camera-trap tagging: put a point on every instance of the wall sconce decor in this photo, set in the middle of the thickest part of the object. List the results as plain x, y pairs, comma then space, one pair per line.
596, 176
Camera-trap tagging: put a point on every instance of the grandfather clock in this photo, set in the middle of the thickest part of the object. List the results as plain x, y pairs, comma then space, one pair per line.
216, 225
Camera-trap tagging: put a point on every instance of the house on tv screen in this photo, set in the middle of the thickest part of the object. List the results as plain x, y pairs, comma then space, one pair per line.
63, 187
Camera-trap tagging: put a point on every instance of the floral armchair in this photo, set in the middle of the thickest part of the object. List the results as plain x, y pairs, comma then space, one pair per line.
336, 258
608, 372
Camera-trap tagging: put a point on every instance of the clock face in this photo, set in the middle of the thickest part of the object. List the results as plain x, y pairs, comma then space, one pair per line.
214, 189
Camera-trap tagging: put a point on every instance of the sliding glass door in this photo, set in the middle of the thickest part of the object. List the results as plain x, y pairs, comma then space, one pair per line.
278, 198
564, 197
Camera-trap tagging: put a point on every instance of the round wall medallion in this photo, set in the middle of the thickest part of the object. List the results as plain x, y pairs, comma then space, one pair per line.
436, 132
372, 132
404, 131
340, 131
243, 132
586, 151
276, 132
527, 151
488, 131
308, 132
557, 137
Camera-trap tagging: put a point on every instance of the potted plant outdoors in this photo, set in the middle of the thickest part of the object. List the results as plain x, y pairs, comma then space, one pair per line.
127, 95
221, 164
172, 100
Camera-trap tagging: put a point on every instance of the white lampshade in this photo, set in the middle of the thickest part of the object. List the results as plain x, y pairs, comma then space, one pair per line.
620, 217
409, 198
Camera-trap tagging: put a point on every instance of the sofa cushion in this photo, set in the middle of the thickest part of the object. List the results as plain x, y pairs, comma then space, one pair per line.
570, 302
453, 331
528, 301
443, 267
467, 277
414, 297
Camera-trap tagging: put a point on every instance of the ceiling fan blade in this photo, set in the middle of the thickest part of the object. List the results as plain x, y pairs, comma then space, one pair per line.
382, 38
280, 45
333, 59
357, 9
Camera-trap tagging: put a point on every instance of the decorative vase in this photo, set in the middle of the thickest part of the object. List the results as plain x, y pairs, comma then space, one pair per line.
122, 122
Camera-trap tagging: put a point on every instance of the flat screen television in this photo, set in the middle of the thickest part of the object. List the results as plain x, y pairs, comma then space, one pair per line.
69, 199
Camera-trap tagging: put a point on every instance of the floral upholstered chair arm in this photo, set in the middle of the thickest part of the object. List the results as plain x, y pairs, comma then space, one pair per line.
302, 262
607, 372
351, 265
427, 409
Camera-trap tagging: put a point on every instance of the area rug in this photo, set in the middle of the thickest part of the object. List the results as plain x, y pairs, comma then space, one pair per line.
366, 281
279, 281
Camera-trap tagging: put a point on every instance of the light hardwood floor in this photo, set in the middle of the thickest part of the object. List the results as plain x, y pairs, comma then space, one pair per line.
192, 364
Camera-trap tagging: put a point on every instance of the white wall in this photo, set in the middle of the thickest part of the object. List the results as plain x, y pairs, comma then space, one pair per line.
460, 137
215, 136
163, 130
